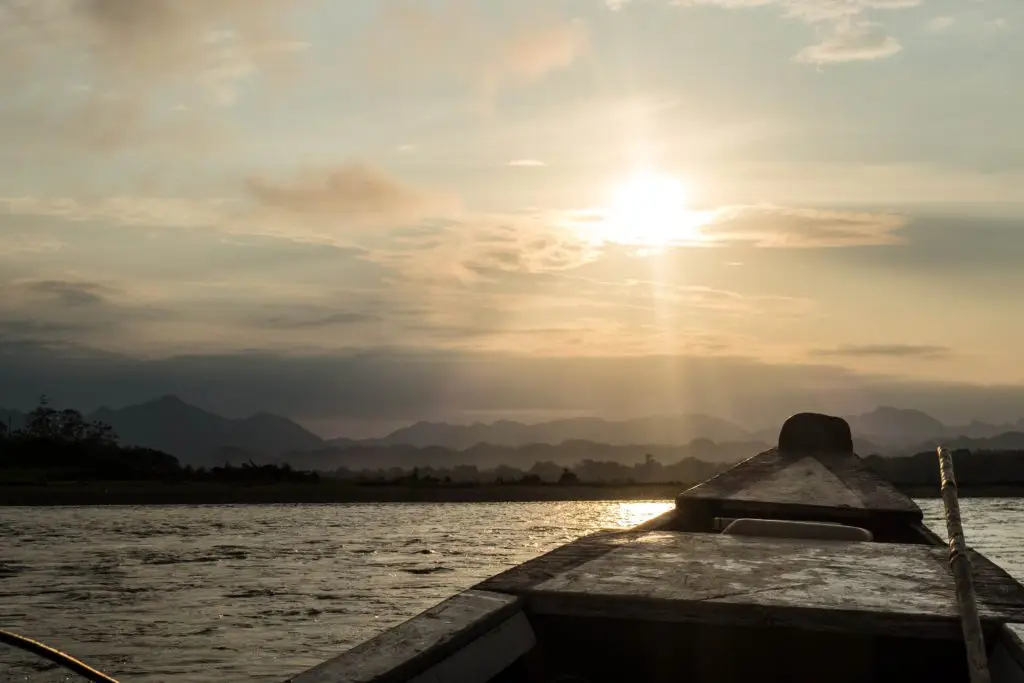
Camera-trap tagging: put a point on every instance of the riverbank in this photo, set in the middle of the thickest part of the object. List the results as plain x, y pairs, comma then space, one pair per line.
211, 493
156, 493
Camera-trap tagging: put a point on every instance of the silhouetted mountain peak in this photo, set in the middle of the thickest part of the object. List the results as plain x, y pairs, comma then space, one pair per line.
896, 423
167, 401
192, 434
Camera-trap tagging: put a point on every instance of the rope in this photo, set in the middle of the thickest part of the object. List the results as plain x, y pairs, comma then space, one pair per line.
55, 656
960, 564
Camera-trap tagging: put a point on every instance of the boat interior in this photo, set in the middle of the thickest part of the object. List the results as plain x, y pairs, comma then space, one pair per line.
799, 564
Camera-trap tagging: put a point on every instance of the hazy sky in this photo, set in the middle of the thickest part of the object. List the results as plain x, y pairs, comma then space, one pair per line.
362, 212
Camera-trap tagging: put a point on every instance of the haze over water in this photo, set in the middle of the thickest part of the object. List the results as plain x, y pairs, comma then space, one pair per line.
258, 593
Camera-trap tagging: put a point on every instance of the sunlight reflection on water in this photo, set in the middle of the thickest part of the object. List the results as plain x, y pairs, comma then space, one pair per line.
631, 514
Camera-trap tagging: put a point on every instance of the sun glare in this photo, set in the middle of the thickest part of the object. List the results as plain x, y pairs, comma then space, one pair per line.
651, 209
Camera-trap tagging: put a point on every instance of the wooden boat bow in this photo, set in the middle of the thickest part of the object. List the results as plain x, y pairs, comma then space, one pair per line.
749, 577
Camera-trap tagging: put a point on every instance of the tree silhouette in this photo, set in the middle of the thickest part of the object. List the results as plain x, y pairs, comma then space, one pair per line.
568, 478
67, 424
41, 422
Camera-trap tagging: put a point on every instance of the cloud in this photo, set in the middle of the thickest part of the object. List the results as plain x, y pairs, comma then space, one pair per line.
322, 204
315, 320
24, 243
850, 41
492, 247
133, 211
350, 191
776, 226
536, 50
939, 24
847, 35
453, 39
69, 293
144, 40
526, 163
926, 352
125, 59
58, 312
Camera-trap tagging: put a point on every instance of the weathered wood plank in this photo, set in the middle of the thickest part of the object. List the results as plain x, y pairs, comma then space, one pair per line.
992, 584
411, 648
557, 561
823, 585
823, 480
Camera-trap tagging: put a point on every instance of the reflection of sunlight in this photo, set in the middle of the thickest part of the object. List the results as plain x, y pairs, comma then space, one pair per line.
631, 514
650, 209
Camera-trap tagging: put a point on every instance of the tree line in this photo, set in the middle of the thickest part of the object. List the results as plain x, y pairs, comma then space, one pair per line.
59, 444
650, 471
973, 468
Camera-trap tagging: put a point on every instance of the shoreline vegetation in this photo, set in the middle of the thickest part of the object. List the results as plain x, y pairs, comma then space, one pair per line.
59, 458
324, 492
339, 492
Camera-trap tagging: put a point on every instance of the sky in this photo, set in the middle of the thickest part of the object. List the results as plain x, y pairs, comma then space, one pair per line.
370, 212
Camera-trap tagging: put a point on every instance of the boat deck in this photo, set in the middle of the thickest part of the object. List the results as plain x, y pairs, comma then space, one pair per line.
842, 586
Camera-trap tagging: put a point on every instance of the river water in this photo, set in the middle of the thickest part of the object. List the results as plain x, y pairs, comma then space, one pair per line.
258, 593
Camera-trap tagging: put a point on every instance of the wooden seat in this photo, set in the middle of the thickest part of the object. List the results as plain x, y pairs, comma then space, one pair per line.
780, 528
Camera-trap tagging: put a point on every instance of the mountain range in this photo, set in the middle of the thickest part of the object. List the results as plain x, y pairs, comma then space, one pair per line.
198, 436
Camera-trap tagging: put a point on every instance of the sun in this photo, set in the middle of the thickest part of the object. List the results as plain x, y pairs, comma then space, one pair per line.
651, 209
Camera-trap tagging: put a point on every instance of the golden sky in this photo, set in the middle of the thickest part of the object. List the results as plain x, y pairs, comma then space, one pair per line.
821, 194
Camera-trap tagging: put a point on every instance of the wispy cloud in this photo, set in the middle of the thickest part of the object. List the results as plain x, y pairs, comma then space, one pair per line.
128, 58
939, 24
846, 32
451, 39
70, 293
32, 244
315, 319
132, 211
122, 39
349, 191
536, 50
331, 203
526, 162
321, 203
777, 226
927, 352
850, 41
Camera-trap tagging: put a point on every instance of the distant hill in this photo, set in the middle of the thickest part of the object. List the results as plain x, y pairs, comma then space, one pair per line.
565, 454
1007, 441
268, 433
887, 424
669, 430
900, 432
195, 435
200, 437
881, 430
